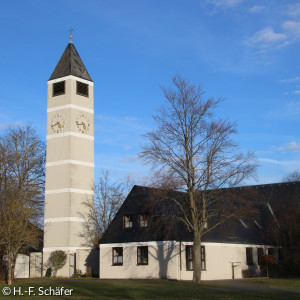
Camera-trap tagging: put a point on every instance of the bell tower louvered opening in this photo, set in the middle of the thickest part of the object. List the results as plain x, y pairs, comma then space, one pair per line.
58, 88
82, 89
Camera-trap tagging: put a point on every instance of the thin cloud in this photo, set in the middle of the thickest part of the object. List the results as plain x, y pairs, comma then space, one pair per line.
5, 126
278, 162
268, 38
224, 3
290, 80
256, 9
130, 159
294, 10
293, 146
131, 119
293, 108
290, 110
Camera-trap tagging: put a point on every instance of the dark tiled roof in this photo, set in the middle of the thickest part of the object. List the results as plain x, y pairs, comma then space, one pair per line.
70, 63
232, 231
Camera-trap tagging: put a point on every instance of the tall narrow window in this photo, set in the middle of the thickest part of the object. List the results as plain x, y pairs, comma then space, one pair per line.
189, 258
249, 256
117, 256
203, 265
270, 251
280, 255
127, 221
58, 88
143, 223
260, 253
142, 255
82, 89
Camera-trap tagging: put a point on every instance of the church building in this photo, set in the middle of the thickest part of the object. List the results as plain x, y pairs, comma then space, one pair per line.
134, 246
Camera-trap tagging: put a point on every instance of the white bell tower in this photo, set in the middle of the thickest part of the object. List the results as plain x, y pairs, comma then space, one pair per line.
69, 160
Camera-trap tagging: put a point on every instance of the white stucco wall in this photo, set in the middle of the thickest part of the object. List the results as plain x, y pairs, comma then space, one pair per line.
36, 264
162, 261
22, 266
168, 260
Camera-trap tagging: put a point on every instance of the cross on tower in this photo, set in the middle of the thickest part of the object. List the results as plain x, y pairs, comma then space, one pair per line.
71, 30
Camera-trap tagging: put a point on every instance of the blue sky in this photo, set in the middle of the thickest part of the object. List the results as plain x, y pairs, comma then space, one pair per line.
246, 51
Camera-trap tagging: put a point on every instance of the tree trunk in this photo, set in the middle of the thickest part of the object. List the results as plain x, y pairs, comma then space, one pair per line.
9, 269
197, 258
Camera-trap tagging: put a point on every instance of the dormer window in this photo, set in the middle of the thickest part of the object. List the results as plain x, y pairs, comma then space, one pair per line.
143, 223
127, 221
58, 88
82, 89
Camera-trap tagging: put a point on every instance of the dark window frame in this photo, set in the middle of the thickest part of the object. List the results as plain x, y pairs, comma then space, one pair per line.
188, 259
281, 256
113, 256
82, 89
271, 251
249, 256
260, 254
58, 88
145, 221
130, 221
143, 252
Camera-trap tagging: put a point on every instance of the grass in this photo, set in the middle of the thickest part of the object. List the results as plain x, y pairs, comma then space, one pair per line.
144, 289
277, 283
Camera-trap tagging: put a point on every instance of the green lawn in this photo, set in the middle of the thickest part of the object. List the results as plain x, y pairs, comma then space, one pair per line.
141, 289
277, 283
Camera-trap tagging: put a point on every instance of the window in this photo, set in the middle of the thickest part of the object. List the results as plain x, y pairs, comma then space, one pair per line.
82, 89
280, 255
260, 253
142, 255
270, 251
143, 223
249, 256
58, 88
117, 256
189, 258
127, 221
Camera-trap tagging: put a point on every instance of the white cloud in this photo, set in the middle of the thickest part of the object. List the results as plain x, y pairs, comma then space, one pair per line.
224, 3
294, 146
293, 108
130, 159
294, 10
256, 9
131, 119
266, 37
278, 162
290, 80
290, 110
5, 126
291, 26
292, 30
296, 92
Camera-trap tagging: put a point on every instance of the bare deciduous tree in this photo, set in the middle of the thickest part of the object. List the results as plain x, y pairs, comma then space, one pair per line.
196, 154
22, 158
294, 176
109, 197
